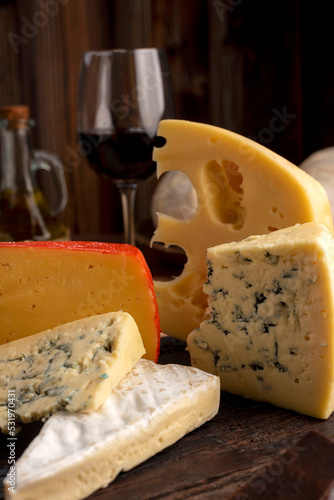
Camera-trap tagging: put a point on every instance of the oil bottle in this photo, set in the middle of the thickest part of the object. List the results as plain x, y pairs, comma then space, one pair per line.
24, 211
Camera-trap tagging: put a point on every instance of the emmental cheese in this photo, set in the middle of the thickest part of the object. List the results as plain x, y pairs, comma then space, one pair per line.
73, 367
45, 284
270, 335
242, 188
150, 409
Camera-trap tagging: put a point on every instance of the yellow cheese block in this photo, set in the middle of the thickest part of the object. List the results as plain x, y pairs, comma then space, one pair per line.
45, 284
72, 367
242, 189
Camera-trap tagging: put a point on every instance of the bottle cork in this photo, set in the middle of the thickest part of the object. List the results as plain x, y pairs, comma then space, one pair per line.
16, 115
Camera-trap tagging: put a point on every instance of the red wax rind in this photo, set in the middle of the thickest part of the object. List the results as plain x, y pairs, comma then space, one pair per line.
31, 267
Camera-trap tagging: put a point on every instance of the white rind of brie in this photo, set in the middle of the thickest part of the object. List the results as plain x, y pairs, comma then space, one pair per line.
151, 408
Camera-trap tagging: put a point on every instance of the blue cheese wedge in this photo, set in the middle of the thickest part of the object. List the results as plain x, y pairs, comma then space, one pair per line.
150, 409
72, 367
270, 331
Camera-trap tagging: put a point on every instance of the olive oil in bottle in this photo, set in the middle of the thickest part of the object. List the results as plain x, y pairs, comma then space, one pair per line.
24, 211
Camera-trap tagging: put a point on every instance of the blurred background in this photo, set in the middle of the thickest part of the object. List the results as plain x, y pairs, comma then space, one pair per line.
262, 69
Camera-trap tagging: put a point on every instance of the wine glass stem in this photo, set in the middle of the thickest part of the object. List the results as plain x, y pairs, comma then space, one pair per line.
128, 195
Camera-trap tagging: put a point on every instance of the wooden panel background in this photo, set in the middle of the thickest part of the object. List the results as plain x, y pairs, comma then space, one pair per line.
262, 69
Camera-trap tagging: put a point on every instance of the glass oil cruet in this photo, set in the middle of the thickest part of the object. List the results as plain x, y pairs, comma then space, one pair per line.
24, 211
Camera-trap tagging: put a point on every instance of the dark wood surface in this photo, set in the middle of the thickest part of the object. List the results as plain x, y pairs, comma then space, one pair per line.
211, 462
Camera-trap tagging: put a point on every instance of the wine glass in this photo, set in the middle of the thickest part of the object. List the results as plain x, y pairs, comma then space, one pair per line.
123, 94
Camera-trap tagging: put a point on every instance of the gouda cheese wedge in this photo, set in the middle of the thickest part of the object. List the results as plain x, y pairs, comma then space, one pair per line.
46, 284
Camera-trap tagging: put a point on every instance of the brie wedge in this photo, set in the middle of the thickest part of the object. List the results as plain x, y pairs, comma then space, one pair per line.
76, 453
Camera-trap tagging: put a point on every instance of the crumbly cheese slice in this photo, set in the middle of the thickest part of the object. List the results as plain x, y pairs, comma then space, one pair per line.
150, 409
270, 335
242, 188
47, 283
72, 367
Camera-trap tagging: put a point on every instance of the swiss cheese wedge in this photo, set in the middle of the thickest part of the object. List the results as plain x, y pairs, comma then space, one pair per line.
242, 189
45, 284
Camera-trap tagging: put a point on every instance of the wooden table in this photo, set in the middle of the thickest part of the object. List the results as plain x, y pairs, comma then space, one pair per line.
212, 461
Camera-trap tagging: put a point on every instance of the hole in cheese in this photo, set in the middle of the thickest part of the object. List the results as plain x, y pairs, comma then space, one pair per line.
159, 141
186, 286
224, 194
192, 287
177, 303
174, 257
199, 298
174, 196
275, 211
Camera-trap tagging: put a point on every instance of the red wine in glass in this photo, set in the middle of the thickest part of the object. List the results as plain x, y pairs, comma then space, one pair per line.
123, 94
125, 157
